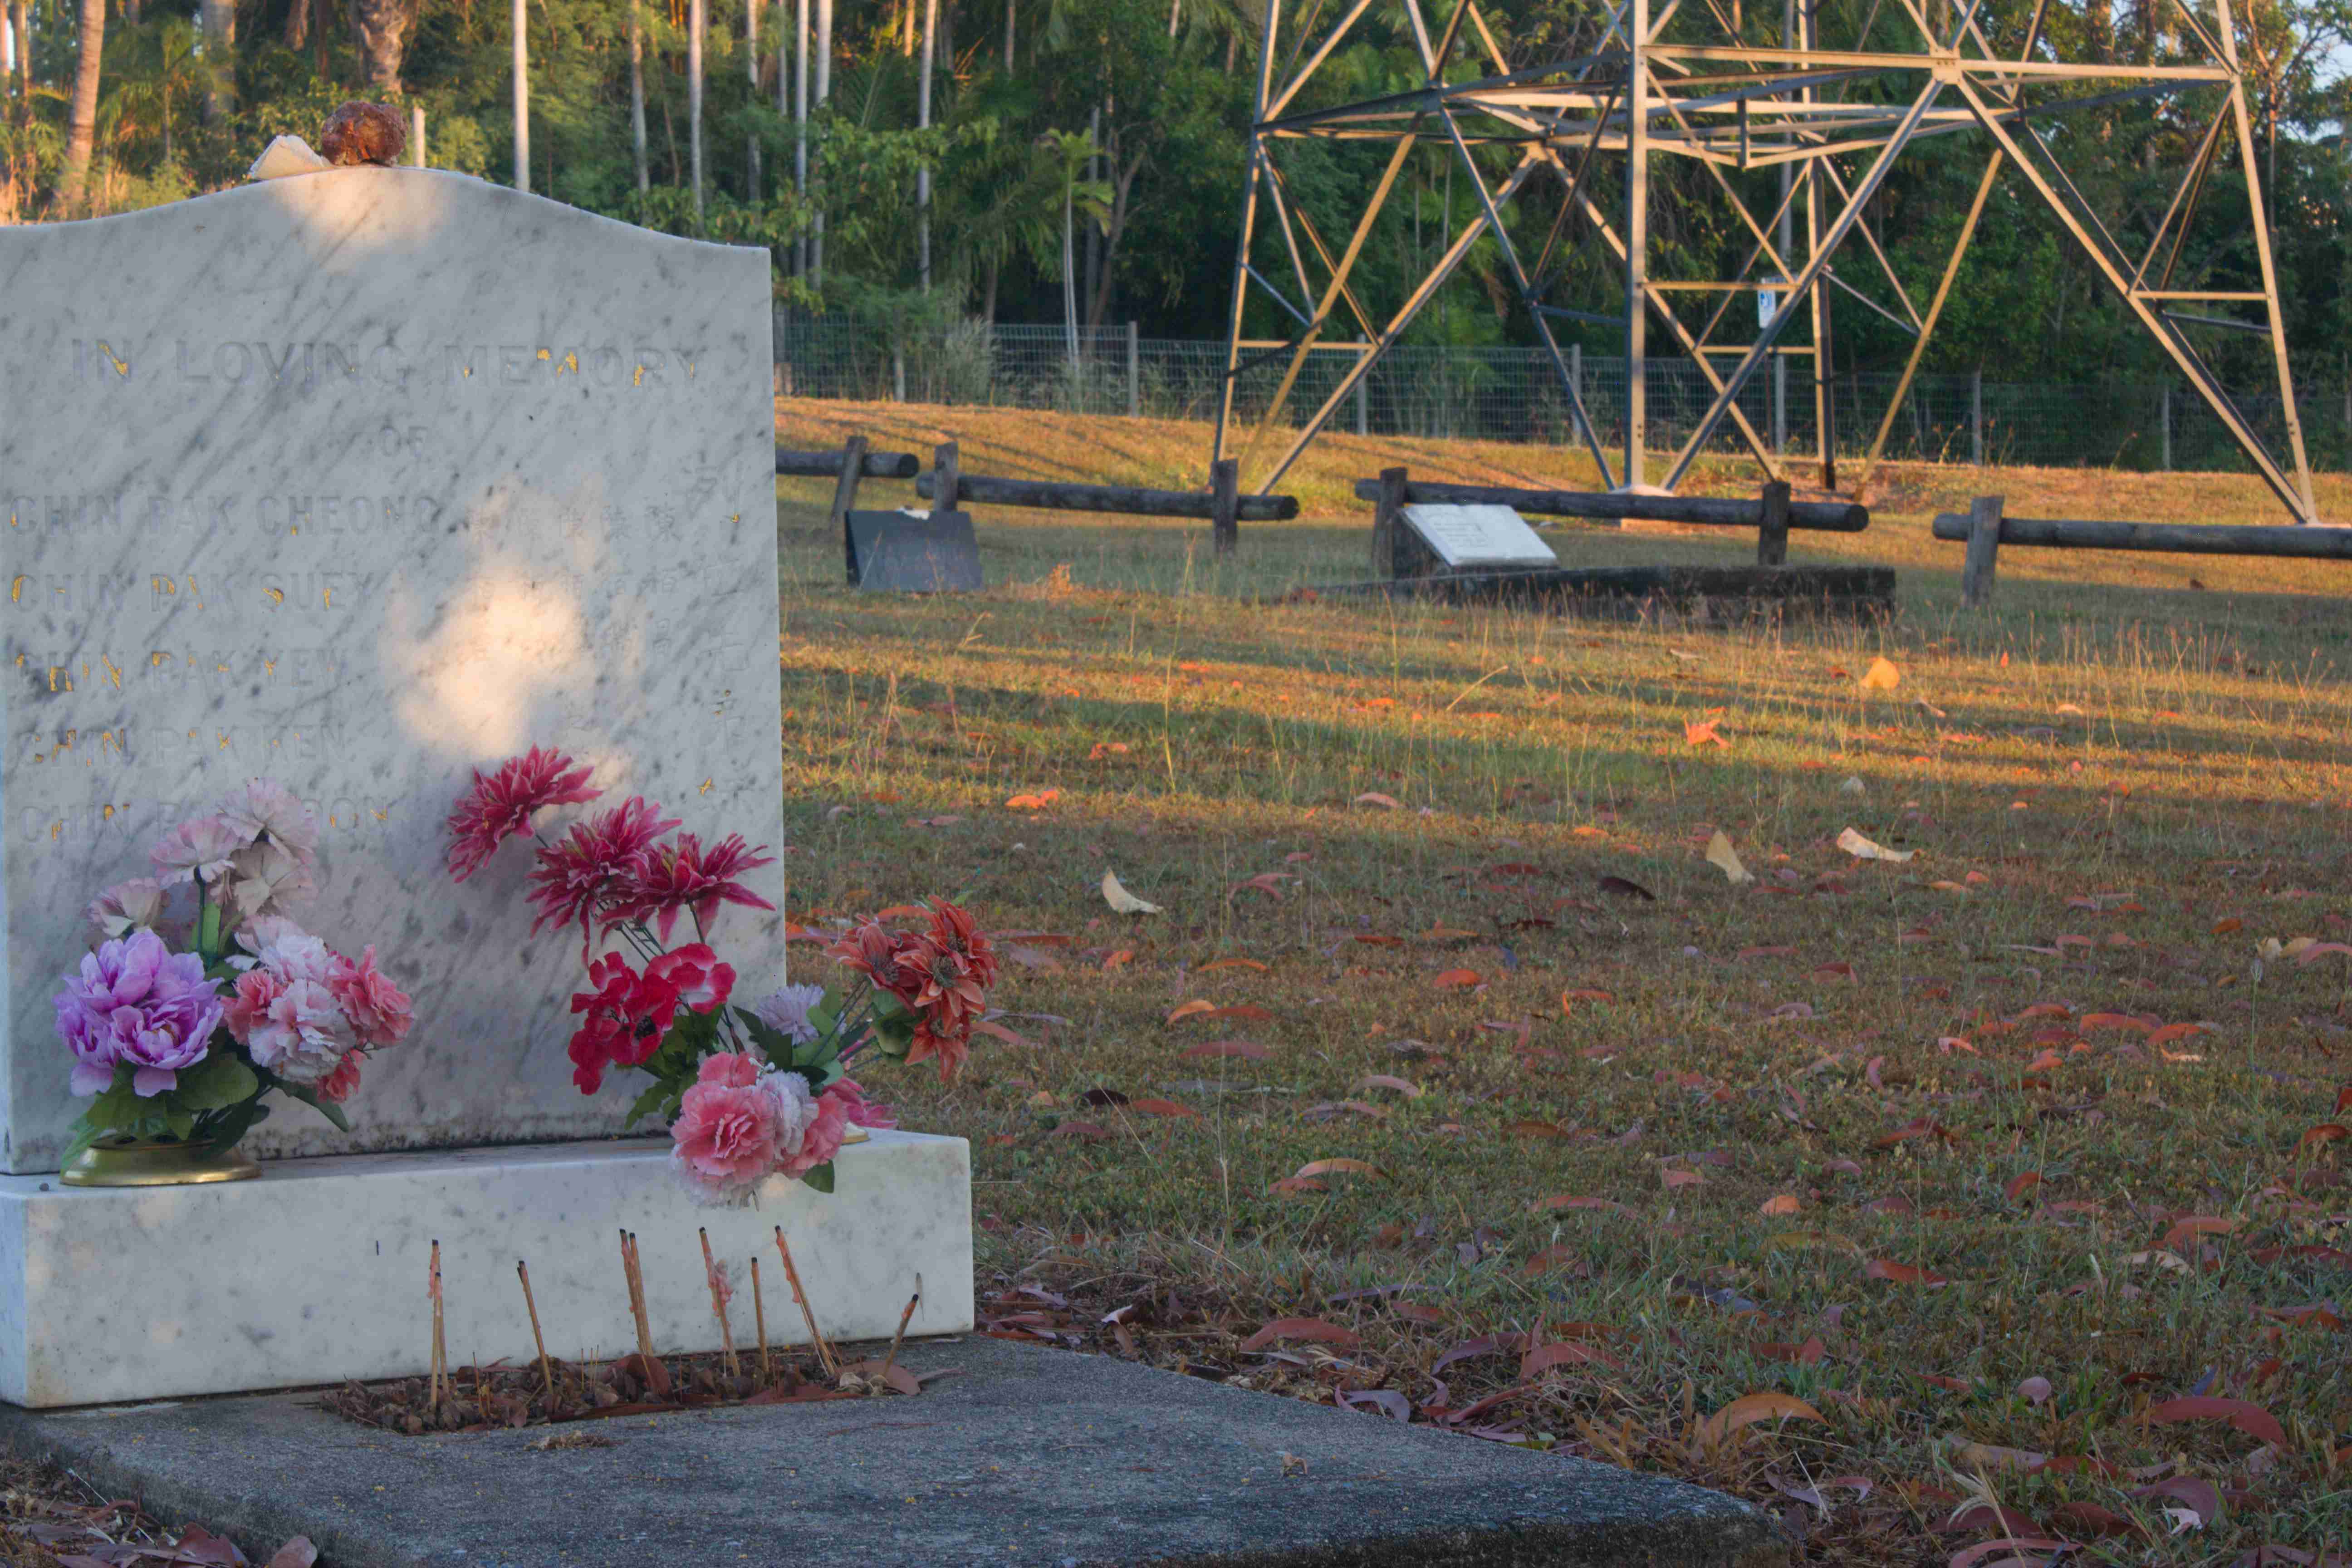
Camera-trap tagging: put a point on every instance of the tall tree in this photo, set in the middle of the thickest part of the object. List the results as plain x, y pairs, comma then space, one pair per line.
637, 94
382, 28
81, 120
220, 43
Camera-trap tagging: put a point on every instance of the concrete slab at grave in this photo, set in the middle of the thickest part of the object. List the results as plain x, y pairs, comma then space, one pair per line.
1025, 1457
362, 479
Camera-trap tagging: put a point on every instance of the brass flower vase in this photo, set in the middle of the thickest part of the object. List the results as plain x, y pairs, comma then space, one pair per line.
128, 1162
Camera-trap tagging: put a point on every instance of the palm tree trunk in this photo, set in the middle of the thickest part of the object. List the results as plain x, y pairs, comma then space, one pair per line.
220, 42
81, 120
20, 15
521, 96
752, 183
824, 92
923, 121
637, 95
694, 20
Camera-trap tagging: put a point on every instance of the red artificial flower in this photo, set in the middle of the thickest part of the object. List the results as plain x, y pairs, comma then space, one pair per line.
672, 878
501, 806
949, 996
949, 1047
695, 975
954, 931
627, 1014
577, 872
892, 960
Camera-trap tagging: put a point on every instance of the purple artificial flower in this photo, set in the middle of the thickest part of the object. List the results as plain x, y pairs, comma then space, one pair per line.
136, 1001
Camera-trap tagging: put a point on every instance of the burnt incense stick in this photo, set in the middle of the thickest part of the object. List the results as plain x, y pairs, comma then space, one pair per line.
637, 1306
522, 1272
900, 1337
759, 1315
439, 1354
816, 1335
719, 1295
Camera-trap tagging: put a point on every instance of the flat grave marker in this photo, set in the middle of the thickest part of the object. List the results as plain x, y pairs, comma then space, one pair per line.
1473, 539
907, 552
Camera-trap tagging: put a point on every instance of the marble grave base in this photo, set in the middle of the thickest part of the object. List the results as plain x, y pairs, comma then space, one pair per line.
317, 1271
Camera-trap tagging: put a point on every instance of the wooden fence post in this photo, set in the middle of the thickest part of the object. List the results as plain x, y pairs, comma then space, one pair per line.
944, 477
845, 495
1984, 546
1226, 505
1772, 532
1387, 519
1134, 374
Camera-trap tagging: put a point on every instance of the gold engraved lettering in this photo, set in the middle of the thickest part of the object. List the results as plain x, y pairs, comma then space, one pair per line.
16, 591
164, 585
546, 354
157, 661
705, 787
639, 379
277, 596
327, 598
109, 740
122, 366
106, 814
57, 669
55, 829
571, 367
114, 671
269, 667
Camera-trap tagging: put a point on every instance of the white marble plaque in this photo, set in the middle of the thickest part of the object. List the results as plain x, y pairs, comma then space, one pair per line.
360, 480
1476, 536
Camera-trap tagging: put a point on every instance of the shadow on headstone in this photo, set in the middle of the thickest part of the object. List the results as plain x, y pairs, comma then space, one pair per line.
912, 553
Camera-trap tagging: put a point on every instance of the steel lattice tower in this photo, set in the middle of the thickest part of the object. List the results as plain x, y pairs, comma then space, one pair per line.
1682, 78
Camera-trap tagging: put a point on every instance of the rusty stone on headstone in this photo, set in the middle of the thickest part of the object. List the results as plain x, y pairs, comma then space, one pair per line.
363, 133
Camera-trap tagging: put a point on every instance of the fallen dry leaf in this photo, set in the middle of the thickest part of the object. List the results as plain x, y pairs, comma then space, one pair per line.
1881, 675
1123, 901
1862, 848
1750, 1408
1720, 854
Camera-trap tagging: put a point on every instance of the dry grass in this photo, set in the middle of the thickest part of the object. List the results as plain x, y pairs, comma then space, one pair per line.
1969, 1064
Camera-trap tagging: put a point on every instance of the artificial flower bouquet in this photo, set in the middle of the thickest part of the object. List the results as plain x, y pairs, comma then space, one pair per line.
749, 1091
180, 1022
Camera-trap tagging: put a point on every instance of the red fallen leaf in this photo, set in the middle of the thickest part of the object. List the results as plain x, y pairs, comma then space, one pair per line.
1246, 1012
1414, 1311
2343, 1098
1299, 1185
1387, 1401
652, 1374
1675, 1179
2326, 1133
2319, 949
1454, 977
2199, 1496
1309, 1331
1985, 1516
1902, 1273
1011, 1037
1535, 1130
1920, 1127
1163, 1108
1543, 1358
1346, 1167
1192, 1008
1566, 997
2113, 1021
2171, 1032
2021, 1184
1112, 961
1780, 1204
2245, 1415
1948, 1385
1702, 732
1834, 972
2197, 1225
1267, 882
1806, 1354
1893, 1202
1373, 939
1557, 1256
1768, 1405
1038, 802
1088, 1132
1248, 1048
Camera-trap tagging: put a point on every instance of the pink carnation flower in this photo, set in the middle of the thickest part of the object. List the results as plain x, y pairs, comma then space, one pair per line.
248, 1006
728, 1070
821, 1140
344, 1082
499, 806
196, 849
303, 1035
377, 1008
724, 1140
265, 809
128, 906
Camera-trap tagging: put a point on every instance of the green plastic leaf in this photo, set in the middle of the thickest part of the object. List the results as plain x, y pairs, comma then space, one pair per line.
660, 1099
819, 1176
326, 1107
217, 1083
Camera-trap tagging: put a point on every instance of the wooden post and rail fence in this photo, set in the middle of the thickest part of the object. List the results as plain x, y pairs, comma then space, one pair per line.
1985, 530
1222, 505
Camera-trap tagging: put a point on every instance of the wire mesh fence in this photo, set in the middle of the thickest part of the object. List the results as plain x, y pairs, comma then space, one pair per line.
1519, 395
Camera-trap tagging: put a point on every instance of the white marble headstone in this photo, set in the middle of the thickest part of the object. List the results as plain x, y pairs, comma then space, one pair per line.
361, 479
1475, 536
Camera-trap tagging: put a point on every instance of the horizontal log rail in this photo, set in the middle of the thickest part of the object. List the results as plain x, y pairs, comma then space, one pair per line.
1715, 512
1055, 496
827, 465
2277, 539
1985, 530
